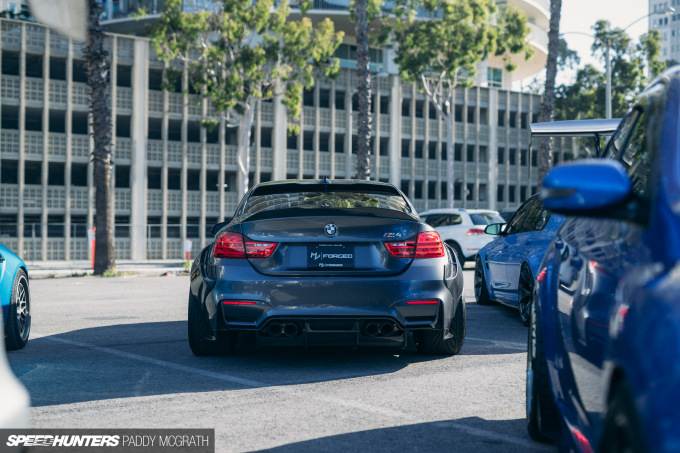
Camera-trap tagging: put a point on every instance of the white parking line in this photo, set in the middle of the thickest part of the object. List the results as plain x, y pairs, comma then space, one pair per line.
288, 389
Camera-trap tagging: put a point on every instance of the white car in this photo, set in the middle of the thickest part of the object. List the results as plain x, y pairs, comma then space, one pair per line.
463, 229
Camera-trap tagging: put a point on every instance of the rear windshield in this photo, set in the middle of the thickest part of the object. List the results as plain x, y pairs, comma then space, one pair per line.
312, 200
486, 218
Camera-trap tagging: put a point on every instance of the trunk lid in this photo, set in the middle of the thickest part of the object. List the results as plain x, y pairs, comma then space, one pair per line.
330, 245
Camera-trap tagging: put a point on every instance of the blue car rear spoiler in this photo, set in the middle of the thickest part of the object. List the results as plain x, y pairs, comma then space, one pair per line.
576, 128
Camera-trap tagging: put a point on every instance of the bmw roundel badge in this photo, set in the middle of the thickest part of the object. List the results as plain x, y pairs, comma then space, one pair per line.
331, 229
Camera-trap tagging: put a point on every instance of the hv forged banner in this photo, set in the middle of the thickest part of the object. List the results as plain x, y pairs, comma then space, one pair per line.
108, 440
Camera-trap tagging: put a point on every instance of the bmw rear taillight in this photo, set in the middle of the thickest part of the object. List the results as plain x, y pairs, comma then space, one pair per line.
425, 245
257, 249
235, 245
229, 245
474, 232
401, 249
429, 245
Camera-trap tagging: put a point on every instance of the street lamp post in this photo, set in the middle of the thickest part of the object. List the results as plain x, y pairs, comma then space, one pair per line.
607, 55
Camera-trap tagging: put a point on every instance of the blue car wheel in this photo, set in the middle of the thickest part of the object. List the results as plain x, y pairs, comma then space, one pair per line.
481, 291
622, 432
526, 294
542, 413
18, 325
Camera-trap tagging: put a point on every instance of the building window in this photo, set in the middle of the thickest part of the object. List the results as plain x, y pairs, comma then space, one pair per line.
9, 171
470, 153
431, 190
174, 180
153, 177
457, 190
494, 77
418, 189
79, 175
193, 180
121, 227
501, 189
501, 118
33, 172
55, 174
173, 227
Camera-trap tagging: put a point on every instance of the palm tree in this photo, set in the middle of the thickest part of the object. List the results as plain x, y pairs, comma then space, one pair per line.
97, 79
545, 147
363, 90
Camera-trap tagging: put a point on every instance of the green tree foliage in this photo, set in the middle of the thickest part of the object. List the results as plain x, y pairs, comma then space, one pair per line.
241, 52
443, 50
585, 97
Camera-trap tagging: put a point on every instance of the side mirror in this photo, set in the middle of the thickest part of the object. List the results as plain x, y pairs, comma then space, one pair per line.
494, 229
218, 226
585, 187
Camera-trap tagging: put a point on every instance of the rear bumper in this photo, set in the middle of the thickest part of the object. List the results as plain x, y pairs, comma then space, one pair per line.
339, 310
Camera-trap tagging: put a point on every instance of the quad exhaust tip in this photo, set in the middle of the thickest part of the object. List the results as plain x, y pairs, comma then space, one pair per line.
383, 329
370, 329
277, 329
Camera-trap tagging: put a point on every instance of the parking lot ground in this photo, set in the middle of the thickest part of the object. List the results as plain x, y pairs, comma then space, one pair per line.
112, 353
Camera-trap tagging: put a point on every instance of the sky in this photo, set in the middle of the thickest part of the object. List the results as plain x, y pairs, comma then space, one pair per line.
581, 15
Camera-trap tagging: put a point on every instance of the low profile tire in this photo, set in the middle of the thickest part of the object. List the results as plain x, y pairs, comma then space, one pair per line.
525, 294
18, 324
435, 343
622, 432
202, 340
481, 291
542, 413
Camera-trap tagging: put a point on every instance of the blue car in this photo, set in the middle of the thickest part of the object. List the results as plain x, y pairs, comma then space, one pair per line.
603, 365
15, 299
505, 268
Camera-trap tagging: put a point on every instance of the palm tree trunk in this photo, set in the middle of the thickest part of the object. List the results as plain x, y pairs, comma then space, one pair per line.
97, 79
363, 91
545, 157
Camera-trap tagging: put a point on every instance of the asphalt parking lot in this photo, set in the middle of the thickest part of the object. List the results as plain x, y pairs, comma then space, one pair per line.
112, 353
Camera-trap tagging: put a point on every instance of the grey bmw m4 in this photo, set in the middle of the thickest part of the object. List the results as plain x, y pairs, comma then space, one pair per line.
321, 263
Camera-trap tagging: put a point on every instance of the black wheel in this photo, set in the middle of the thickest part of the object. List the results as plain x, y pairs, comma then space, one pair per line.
202, 340
525, 294
435, 343
481, 291
542, 413
622, 432
18, 324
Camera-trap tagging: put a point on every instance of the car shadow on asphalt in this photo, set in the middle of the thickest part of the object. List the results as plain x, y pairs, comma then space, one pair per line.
128, 360
471, 434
